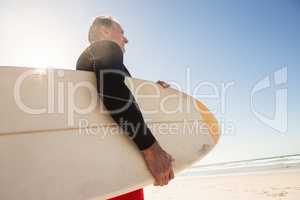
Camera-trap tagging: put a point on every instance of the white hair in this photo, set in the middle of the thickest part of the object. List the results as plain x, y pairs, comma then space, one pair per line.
100, 21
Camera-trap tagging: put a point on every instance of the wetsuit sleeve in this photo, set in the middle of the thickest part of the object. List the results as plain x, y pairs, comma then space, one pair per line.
120, 102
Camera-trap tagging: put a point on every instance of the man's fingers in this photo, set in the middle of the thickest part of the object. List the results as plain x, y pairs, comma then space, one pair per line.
159, 163
163, 84
157, 181
166, 179
171, 175
167, 85
161, 181
172, 160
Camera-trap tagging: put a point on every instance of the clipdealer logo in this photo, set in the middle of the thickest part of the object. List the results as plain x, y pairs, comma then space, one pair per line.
49, 86
277, 82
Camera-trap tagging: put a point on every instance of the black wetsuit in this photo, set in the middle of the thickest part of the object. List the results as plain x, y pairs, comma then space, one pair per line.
105, 58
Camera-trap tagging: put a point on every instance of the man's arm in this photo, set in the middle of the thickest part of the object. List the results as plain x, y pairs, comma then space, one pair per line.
118, 99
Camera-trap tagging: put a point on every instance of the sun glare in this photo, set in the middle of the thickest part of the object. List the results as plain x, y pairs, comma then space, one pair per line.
38, 43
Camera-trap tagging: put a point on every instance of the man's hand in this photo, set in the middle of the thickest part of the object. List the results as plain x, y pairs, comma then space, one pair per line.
163, 84
159, 163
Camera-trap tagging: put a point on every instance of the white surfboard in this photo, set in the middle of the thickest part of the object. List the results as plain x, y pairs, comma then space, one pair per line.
56, 142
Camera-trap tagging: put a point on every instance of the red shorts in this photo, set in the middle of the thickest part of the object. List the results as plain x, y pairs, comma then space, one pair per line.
134, 195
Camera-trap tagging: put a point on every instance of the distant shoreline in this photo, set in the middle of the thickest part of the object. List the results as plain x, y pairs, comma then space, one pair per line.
253, 159
244, 167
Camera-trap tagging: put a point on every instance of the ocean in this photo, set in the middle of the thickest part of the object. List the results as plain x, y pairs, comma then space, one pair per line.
260, 165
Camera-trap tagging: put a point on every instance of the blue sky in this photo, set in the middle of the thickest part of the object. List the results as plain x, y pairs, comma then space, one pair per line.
221, 42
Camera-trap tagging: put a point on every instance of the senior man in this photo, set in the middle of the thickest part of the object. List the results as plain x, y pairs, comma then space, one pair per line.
104, 57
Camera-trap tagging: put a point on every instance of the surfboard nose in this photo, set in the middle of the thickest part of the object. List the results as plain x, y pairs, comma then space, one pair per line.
210, 120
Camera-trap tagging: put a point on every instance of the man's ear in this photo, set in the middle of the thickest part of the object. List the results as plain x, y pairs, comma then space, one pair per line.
104, 31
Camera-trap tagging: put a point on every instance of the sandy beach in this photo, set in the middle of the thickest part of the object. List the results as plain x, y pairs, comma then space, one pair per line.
275, 185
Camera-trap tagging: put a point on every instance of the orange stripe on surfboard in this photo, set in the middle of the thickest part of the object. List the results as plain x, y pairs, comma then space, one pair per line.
210, 120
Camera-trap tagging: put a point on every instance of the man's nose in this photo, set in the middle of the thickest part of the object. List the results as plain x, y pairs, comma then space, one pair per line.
126, 40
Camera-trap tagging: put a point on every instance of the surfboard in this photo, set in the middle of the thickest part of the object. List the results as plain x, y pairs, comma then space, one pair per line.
57, 141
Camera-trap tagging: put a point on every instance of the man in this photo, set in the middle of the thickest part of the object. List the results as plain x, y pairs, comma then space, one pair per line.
104, 56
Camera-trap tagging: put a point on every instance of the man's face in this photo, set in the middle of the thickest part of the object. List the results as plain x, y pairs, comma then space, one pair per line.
116, 34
